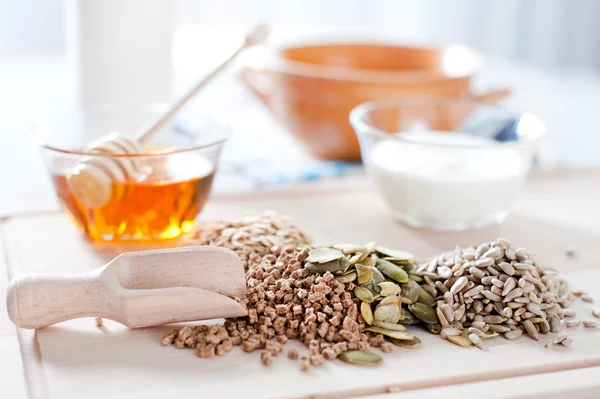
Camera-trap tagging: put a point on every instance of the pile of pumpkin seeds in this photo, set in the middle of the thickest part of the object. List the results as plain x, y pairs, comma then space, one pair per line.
386, 288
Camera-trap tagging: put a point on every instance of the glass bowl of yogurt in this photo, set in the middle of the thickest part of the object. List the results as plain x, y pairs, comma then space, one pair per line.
446, 164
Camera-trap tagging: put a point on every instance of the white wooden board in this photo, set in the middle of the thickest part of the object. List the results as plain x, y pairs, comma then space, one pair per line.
571, 384
12, 373
78, 360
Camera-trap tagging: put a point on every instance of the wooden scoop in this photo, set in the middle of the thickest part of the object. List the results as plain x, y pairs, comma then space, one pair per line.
137, 289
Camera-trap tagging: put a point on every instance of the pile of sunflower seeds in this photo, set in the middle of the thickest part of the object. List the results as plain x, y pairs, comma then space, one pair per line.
494, 289
384, 285
251, 237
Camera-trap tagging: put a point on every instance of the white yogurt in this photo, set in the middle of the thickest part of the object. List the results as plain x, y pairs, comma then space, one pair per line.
445, 186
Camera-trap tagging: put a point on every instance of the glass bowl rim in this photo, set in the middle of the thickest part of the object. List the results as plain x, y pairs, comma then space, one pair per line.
162, 107
361, 126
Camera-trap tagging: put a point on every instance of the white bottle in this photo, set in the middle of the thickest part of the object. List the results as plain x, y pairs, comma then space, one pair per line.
122, 50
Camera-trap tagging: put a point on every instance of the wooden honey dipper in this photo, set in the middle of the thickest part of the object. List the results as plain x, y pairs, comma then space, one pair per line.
91, 180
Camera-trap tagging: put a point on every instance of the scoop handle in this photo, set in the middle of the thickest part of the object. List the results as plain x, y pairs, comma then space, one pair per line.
38, 300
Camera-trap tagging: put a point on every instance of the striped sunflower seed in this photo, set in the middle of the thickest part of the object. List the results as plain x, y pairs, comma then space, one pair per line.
554, 322
449, 332
509, 285
590, 323
567, 342
531, 330
458, 285
513, 334
476, 340
441, 317
448, 312
513, 295
559, 338
573, 323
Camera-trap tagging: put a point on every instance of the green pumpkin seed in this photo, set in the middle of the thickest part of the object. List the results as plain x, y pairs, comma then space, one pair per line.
460, 340
346, 278
392, 271
416, 278
375, 287
393, 253
425, 297
423, 312
407, 318
366, 313
354, 259
399, 261
410, 290
344, 265
405, 300
350, 248
378, 277
371, 262
363, 294
413, 343
388, 288
323, 255
364, 358
332, 267
434, 328
390, 300
408, 267
389, 313
391, 333
365, 274
389, 326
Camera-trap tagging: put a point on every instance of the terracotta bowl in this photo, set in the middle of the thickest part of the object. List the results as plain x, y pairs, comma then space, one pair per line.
311, 89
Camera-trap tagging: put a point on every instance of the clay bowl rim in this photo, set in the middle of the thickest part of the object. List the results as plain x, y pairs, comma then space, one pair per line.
362, 126
277, 62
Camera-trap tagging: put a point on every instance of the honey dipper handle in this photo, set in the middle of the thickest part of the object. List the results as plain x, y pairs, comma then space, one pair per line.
36, 300
255, 36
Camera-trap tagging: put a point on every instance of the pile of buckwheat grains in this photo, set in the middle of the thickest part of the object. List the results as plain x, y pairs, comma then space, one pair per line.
285, 301
341, 300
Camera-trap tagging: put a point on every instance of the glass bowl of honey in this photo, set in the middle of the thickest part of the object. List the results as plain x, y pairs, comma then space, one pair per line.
152, 194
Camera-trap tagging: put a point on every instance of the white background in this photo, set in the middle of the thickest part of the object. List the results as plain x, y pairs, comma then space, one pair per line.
552, 33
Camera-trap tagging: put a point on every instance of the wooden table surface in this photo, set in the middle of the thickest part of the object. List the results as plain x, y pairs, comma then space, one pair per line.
553, 214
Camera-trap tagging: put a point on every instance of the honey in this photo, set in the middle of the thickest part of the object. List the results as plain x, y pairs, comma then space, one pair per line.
161, 206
